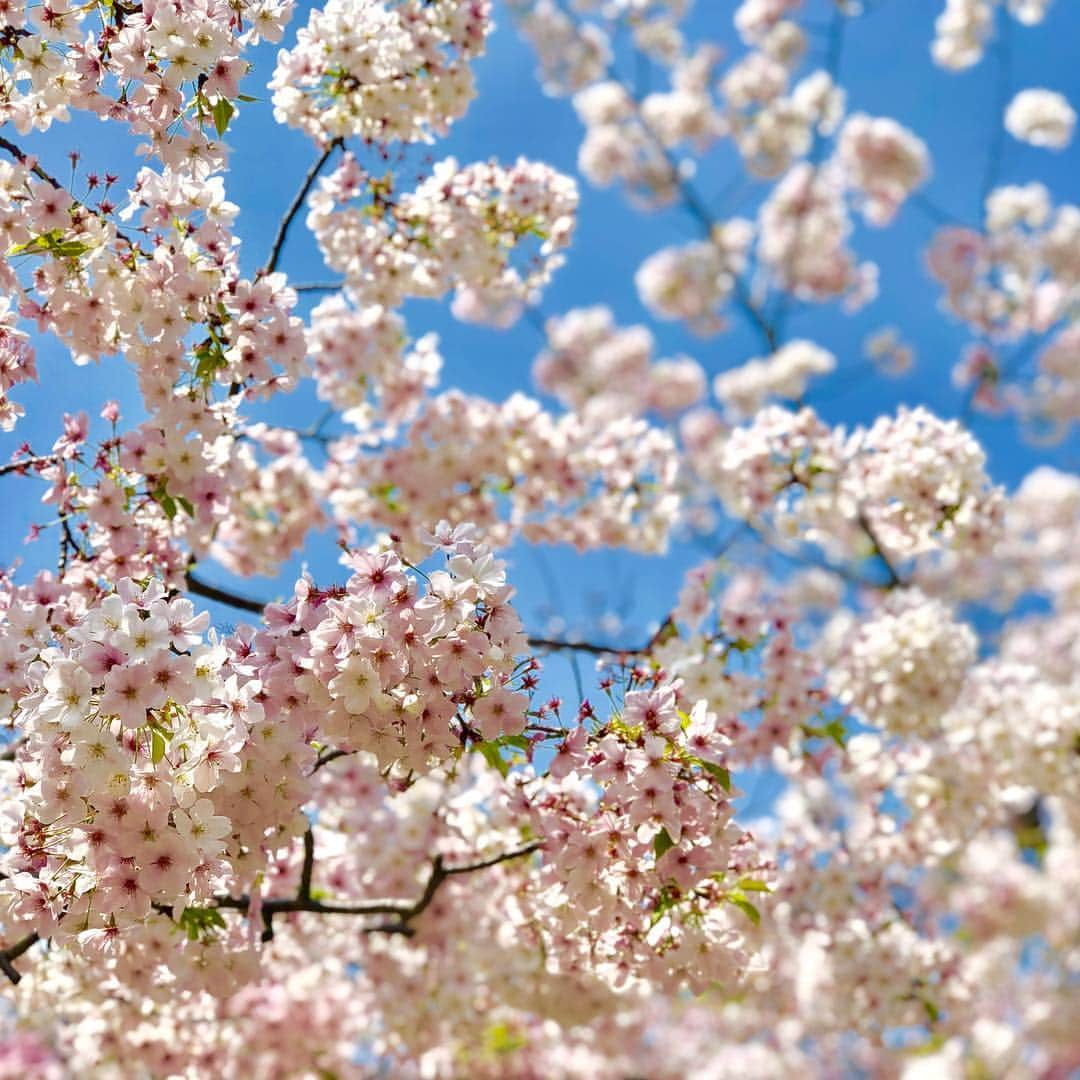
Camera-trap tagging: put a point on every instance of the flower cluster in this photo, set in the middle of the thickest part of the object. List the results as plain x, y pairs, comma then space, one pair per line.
693, 281
883, 162
360, 365
964, 27
595, 367
382, 71
785, 374
912, 484
513, 468
656, 859
133, 68
804, 228
491, 234
1041, 118
903, 667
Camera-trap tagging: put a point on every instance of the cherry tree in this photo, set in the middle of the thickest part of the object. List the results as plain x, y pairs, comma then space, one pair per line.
363, 827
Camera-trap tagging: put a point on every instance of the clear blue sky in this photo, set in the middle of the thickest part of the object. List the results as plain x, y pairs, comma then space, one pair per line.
887, 71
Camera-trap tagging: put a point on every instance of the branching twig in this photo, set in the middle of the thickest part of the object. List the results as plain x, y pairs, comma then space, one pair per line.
23, 464
895, 580
23, 158
996, 149
403, 911
223, 596
13, 952
295, 205
326, 756
319, 286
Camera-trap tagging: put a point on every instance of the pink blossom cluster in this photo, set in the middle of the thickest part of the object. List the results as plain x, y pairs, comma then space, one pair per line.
910, 484
903, 667
381, 71
513, 469
692, 281
785, 375
491, 234
965, 26
360, 366
883, 162
158, 68
597, 368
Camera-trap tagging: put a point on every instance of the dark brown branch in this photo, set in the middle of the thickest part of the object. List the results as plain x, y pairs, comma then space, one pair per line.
295, 205
559, 645
13, 952
23, 464
308, 867
326, 756
404, 911
23, 158
319, 286
10, 752
895, 579
223, 596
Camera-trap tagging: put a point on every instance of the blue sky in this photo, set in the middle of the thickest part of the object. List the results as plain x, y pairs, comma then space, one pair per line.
886, 70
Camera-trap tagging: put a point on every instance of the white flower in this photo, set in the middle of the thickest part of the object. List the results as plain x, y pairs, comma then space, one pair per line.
1041, 118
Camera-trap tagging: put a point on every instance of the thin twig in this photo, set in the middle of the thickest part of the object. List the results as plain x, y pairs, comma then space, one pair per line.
23, 464
996, 151
308, 866
295, 205
895, 579
13, 952
23, 159
404, 911
319, 286
223, 596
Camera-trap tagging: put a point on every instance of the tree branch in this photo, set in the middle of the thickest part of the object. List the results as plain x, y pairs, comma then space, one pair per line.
404, 911
319, 286
559, 645
308, 867
22, 465
223, 596
295, 205
13, 952
895, 580
25, 159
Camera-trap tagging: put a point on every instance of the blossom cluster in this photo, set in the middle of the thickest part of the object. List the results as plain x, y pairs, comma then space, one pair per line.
513, 469
490, 234
602, 370
910, 484
381, 71
785, 374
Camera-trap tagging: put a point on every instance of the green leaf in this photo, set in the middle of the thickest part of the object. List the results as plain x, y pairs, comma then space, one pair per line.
246, 97
165, 501
745, 907
662, 843
186, 505
490, 750
834, 730
200, 922
210, 360
157, 745
223, 112
753, 885
501, 1039
719, 773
